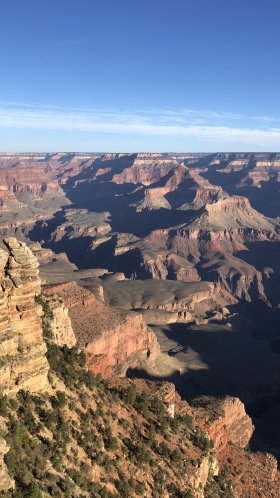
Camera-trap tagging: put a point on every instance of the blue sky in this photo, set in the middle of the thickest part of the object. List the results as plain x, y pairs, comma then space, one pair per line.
149, 75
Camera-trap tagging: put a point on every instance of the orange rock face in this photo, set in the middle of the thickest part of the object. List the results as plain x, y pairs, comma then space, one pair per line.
226, 423
27, 178
112, 339
145, 169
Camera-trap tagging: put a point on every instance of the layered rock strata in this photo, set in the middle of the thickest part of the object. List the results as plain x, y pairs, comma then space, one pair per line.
169, 301
112, 339
58, 321
23, 364
225, 421
252, 474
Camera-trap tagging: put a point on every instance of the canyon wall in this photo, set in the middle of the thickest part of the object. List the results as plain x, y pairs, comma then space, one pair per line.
112, 339
163, 302
23, 364
225, 421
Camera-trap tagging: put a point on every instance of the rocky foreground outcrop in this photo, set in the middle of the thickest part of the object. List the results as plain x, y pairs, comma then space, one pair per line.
112, 339
57, 322
23, 364
5, 480
224, 420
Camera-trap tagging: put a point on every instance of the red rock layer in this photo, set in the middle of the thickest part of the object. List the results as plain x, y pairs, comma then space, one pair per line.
113, 340
226, 422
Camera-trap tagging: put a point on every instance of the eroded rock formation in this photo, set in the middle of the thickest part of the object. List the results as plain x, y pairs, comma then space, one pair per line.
5, 480
225, 421
23, 364
57, 321
112, 339
168, 301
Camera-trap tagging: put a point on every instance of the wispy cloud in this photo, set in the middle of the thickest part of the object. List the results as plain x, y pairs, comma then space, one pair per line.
207, 125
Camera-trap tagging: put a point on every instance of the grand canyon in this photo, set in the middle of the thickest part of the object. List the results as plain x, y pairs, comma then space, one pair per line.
139, 328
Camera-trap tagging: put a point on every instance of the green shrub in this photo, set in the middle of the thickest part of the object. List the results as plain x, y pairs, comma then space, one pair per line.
4, 406
123, 488
176, 456
202, 441
143, 403
131, 394
158, 408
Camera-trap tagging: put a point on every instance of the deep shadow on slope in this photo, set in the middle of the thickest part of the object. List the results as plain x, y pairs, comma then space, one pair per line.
223, 362
103, 195
228, 181
265, 199
264, 255
80, 252
219, 361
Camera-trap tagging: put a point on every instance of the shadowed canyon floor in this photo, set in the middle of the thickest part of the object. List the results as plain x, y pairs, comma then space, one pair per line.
219, 361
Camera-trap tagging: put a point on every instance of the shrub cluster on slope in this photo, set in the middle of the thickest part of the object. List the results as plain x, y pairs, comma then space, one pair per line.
87, 439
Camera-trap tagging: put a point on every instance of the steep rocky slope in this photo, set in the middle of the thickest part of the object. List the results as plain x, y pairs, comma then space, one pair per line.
225, 421
6, 482
23, 364
90, 439
56, 321
113, 340
77, 435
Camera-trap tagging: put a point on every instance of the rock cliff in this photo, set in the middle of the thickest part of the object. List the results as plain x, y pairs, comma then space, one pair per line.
112, 339
57, 321
225, 421
230, 429
23, 364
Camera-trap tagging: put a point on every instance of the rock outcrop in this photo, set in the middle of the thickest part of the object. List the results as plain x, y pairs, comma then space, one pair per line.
23, 364
230, 429
225, 421
163, 302
5, 480
82, 223
207, 468
112, 339
145, 169
23, 179
57, 321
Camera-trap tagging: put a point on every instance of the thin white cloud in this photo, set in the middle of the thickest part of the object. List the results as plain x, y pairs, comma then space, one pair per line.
206, 125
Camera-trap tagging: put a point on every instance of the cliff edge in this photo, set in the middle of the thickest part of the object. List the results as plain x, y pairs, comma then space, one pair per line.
23, 364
